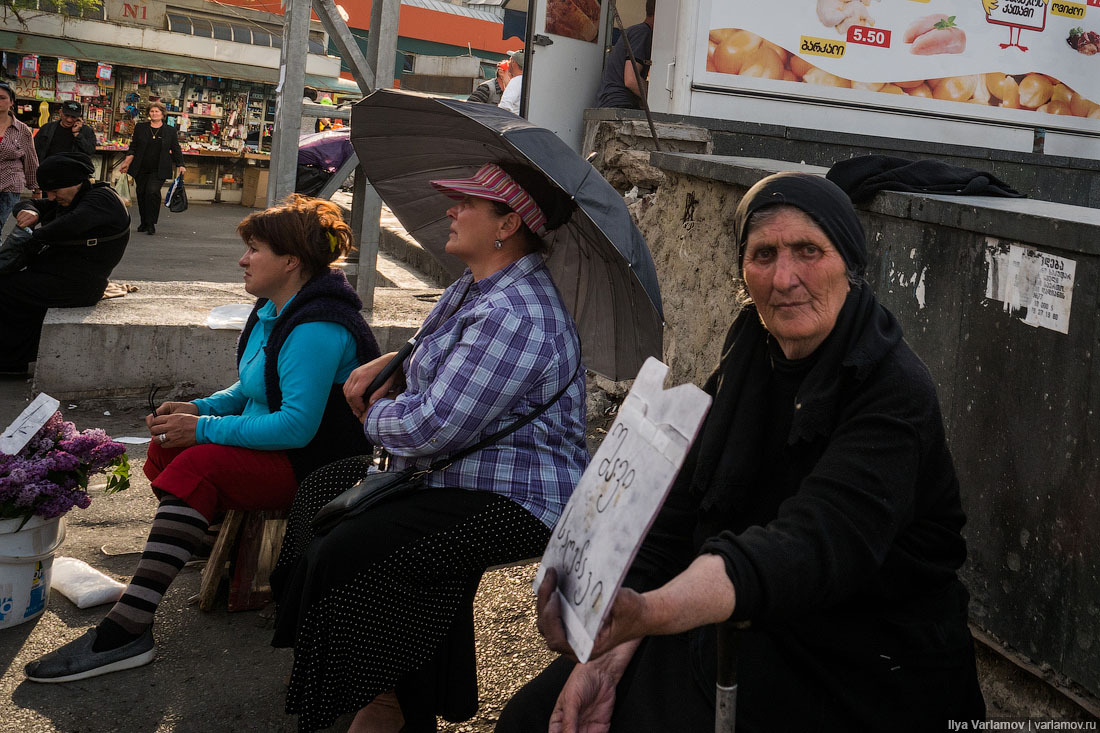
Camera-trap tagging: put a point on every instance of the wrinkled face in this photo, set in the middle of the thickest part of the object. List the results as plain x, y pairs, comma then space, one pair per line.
63, 196
796, 278
68, 120
474, 227
266, 274
155, 115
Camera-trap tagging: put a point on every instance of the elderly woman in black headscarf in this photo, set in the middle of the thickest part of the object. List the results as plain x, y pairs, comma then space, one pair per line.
819, 505
80, 231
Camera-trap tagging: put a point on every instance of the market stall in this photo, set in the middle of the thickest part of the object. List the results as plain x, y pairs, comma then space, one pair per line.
225, 125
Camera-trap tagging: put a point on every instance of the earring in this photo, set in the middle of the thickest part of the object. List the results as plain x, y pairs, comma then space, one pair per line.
498, 244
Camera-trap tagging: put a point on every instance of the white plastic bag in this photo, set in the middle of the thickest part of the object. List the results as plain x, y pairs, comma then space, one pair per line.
84, 585
125, 187
229, 317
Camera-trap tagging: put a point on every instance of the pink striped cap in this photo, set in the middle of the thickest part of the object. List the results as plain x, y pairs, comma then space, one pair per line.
491, 182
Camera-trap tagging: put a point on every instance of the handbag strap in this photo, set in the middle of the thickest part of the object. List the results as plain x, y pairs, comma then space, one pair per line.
447, 462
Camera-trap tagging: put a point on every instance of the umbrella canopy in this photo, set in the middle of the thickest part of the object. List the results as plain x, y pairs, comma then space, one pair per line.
599, 260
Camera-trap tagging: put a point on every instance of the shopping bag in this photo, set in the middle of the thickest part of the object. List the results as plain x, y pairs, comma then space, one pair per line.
176, 200
125, 187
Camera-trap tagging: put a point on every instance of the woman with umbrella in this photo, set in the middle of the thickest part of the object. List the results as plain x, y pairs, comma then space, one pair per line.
379, 610
819, 505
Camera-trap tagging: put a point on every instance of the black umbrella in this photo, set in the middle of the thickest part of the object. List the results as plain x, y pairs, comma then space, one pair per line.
599, 260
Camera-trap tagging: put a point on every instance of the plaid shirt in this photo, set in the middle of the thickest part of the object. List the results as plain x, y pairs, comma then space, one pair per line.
18, 161
492, 352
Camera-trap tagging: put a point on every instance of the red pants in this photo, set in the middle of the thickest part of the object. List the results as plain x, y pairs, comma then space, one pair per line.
213, 478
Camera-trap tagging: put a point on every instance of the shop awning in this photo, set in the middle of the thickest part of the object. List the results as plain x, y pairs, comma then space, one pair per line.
142, 59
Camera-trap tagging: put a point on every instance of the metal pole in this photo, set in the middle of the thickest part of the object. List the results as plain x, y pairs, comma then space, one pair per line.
729, 641
345, 43
382, 41
288, 105
366, 206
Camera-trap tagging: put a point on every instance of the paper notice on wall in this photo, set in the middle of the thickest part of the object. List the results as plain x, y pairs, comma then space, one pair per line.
618, 497
1034, 286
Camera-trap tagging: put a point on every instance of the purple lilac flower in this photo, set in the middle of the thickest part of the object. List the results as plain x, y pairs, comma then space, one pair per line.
50, 475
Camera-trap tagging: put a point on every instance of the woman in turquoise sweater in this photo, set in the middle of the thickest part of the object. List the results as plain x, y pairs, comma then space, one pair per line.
247, 446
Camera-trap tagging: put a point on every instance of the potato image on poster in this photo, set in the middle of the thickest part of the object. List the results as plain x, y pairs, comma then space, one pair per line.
743, 53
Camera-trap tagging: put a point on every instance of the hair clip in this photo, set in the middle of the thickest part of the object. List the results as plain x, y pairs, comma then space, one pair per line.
331, 240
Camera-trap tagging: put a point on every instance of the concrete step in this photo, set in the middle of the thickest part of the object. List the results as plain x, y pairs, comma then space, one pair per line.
397, 245
395, 273
400, 245
158, 335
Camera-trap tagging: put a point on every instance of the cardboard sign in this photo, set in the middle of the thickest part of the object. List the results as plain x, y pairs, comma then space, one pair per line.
618, 497
29, 422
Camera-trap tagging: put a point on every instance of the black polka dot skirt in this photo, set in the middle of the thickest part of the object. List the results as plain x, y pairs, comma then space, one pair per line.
384, 600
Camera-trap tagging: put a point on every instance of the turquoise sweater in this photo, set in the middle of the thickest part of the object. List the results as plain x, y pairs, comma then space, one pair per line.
315, 356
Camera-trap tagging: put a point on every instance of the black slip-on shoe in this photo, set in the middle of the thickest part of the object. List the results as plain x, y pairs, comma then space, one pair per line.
77, 661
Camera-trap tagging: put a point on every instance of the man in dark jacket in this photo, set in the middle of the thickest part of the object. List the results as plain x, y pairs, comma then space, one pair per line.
80, 233
621, 84
66, 135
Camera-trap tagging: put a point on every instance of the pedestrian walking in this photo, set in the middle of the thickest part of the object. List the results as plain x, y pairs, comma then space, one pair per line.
154, 149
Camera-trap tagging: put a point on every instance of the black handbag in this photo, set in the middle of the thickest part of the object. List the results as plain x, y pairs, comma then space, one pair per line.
18, 250
377, 487
177, 197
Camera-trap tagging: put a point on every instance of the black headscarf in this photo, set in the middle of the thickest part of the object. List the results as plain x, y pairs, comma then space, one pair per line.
63, 170
821, 199
725, 455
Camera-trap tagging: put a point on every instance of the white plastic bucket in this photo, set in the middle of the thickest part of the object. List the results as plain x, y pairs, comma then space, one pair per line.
26, 564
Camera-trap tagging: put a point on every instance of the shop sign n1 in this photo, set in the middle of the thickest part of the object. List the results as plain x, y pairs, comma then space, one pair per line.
28, 67
66, 66
103, 72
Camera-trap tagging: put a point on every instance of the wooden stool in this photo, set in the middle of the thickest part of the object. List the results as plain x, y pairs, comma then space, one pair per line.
253, 539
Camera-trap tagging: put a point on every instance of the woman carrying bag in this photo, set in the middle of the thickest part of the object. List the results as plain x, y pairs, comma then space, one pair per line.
154, 150
379, 609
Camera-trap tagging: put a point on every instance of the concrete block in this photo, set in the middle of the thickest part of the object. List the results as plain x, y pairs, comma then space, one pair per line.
159, 335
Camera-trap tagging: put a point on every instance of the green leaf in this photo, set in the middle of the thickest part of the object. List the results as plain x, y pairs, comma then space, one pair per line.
118, 476
946, 23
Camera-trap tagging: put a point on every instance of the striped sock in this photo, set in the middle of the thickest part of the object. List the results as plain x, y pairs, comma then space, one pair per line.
177, 530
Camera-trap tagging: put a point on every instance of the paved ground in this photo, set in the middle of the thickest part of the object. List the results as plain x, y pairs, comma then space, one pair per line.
214, 671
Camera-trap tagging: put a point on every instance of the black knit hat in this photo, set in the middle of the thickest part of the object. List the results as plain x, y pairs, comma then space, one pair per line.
64, 169
821, 199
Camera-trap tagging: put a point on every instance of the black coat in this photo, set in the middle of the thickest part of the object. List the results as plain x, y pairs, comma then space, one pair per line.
170, 152
78, 271
84, 142
842, 543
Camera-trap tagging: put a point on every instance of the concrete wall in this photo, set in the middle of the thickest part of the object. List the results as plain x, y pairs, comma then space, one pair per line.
1020, 402
1047, 177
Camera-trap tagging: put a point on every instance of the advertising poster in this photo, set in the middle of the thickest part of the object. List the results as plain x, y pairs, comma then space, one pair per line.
1031, 62
579, 19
